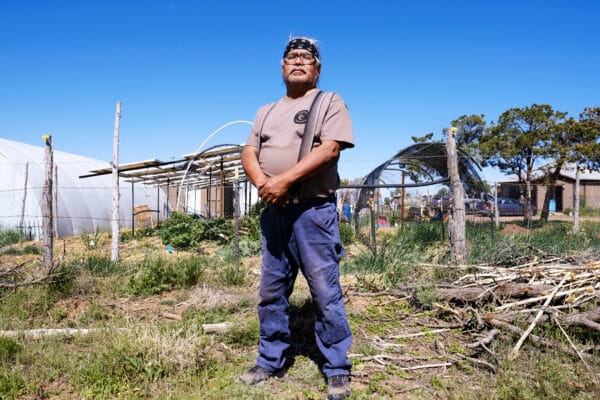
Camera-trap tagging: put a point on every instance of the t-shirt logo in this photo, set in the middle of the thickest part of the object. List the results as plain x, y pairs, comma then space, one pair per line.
301, 117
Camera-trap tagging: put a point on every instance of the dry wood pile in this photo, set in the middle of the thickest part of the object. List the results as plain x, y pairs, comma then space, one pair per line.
488, 301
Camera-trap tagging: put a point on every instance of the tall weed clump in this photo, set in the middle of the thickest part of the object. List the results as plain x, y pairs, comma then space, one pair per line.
63, 280
9, 236
98, 265
155, 275
227, 270
397, 255
558, 237
346, 234
553, 238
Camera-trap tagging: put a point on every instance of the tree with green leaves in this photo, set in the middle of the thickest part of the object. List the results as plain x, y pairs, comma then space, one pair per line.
571, 142
422, 139
521, 138
586, 151
562, 139
469, 130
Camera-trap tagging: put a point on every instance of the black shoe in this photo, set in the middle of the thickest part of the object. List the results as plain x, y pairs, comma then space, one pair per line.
258, 374
338, 387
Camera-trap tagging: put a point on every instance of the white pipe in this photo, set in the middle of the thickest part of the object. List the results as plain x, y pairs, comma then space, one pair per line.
200, 147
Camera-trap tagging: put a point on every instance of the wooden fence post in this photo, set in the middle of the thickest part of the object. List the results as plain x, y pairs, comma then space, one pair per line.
48, 246
114, 254
456, 220
576, 200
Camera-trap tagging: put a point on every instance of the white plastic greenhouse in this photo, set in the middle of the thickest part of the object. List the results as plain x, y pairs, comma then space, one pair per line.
83, 205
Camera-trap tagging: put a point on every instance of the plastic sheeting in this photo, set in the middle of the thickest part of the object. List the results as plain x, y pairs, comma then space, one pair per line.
83, 205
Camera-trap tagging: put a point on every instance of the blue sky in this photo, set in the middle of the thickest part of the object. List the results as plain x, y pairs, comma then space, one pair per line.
182, 69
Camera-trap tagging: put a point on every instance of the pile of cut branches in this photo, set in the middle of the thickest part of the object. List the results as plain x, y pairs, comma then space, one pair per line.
489, 300
559, 290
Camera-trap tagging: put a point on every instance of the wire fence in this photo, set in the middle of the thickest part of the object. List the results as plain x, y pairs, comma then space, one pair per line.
386, 211
504, 213
389, 212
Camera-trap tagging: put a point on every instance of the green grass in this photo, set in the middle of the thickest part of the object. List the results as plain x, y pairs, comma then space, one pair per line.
157, 358
29, 249
553, 238
537, 376
125, 364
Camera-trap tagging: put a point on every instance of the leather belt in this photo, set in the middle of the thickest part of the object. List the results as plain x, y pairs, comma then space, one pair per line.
303, 201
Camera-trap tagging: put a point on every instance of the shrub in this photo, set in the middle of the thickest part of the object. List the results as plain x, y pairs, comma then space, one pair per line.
8, 350
217, 229
29, 249
246, 248
257, 207
158, 274
11, 252
181, 231
426, 296
9, 236
250, 247
139, 233
250, 226
346, 234
63, 280
392, 259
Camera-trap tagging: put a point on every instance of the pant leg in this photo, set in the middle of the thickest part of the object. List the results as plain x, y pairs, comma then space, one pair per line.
276, 285
319, 249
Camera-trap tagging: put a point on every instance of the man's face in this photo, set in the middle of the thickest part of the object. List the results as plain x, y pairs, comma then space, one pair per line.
300, 67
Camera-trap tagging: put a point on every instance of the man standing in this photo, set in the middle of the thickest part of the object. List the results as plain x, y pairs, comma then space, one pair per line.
300, 224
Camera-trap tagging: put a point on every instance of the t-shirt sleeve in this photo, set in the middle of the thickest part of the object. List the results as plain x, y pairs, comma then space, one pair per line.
253, 138
337, 124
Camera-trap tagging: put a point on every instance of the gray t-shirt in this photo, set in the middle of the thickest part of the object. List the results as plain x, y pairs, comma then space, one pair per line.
281, 135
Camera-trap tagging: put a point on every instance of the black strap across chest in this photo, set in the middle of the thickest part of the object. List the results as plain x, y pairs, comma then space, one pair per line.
309, 128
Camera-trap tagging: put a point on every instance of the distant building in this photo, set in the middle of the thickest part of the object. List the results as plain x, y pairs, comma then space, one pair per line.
562, 190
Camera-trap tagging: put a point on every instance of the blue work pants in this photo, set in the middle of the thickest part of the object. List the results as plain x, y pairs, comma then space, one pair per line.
304, 236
